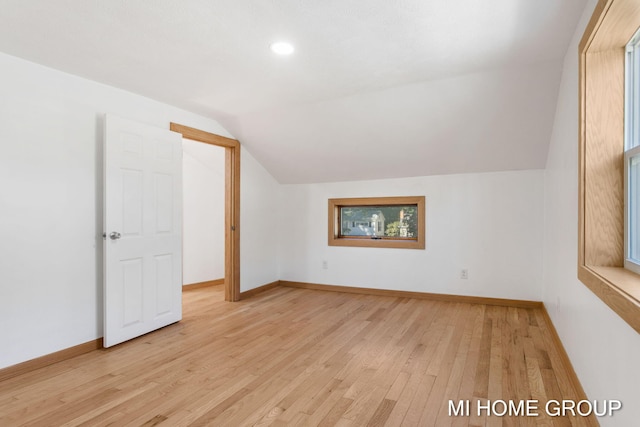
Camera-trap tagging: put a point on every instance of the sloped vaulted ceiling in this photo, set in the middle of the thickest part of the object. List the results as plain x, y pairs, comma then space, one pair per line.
375, 89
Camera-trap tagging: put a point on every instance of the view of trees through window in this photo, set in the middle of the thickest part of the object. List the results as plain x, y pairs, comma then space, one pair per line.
379, 221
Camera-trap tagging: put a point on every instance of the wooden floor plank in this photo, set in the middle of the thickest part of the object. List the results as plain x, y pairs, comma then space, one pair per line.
305, 357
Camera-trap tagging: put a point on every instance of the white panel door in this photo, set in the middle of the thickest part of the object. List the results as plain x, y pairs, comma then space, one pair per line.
143, 229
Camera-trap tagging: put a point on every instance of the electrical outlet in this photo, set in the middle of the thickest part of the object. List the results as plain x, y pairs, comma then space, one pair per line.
464, 273
325, 264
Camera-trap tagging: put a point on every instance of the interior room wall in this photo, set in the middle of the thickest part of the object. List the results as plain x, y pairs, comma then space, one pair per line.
203, 206
488, 223
259, 224
51, 126
603, 349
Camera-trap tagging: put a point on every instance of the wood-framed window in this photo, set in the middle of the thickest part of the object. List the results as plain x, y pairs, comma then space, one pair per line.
378, 222
601, 237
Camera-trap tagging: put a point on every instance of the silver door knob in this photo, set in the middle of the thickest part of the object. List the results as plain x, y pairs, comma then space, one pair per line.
114, 235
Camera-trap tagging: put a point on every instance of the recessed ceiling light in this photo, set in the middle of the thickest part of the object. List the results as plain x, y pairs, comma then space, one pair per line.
282, 48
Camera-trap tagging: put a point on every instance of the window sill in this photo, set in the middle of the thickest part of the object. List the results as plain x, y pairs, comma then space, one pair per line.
619, 288
375, 243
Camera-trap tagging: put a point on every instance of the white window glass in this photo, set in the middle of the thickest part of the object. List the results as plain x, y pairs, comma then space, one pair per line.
384, 221
632, 155
633, 209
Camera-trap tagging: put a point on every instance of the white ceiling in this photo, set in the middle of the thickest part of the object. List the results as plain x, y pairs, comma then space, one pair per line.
375, 89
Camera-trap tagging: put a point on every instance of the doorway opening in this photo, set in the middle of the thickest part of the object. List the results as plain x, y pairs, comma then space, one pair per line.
202, 215
231, 203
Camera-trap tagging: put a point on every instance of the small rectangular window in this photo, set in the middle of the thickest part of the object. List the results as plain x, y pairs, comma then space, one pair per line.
387, 222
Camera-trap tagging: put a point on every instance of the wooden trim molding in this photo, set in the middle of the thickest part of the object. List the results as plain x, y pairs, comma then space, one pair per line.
202, 136
232, 224
608, 283
199, 285
49, 359
232, 203
418, 295
564, 357
601, 158
334, 239
258, 290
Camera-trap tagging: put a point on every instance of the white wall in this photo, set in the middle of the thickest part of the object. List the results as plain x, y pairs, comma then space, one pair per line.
489, 223
259, 224
51, 205
604, 350
203, 207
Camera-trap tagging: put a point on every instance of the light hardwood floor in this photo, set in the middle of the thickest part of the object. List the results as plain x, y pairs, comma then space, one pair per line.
304, 357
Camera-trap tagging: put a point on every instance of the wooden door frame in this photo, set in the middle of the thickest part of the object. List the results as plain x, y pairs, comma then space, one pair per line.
231, 204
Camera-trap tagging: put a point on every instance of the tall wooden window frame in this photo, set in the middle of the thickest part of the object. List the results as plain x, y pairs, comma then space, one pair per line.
601, 212
335, 239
